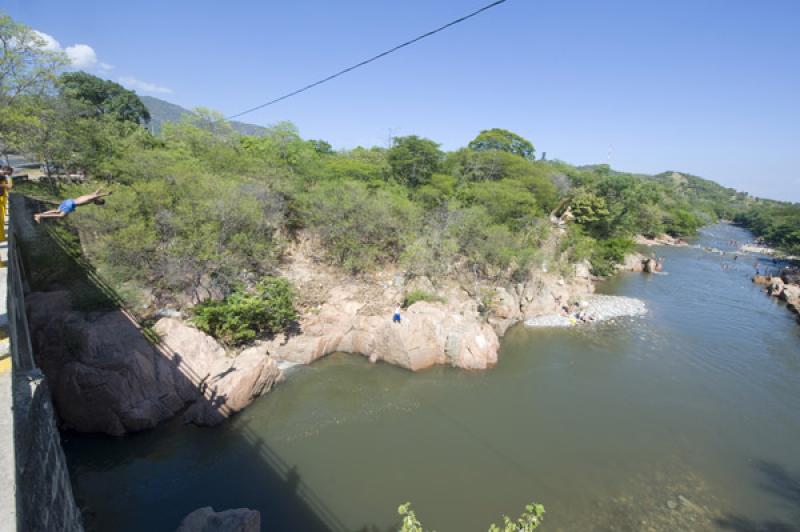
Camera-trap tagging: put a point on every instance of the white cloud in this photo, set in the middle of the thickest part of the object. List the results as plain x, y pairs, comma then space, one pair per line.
50, 43
81, 56
143, 86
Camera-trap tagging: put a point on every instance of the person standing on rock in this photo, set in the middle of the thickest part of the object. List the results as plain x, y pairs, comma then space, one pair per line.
396, 316
69, 205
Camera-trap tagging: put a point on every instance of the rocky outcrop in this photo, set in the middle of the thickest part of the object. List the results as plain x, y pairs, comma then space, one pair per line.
791, 294
453, 330
227, 384
105, 376
636, 262
207, 520
633, 262
777, 287
428, 334
762, 279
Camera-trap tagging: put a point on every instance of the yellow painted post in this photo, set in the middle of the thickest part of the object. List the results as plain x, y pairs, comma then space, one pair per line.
3, 203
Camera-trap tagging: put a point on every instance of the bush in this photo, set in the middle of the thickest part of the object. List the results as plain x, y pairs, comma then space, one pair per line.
608, 253
359, 227
242, 316
420, 295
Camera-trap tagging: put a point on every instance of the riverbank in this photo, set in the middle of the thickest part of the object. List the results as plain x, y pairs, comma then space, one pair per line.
615, 426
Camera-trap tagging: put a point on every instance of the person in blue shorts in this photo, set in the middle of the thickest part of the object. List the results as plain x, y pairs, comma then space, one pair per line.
396, 316
69, 205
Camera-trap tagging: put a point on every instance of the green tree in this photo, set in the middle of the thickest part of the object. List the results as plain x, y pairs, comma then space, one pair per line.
27, 73
359, 227
502, 140
507, 201
414, 160
103, 97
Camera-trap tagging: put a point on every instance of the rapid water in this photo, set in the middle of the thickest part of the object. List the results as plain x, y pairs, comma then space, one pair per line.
687, 418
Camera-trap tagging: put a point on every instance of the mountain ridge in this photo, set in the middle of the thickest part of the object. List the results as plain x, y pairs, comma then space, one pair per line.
163, 112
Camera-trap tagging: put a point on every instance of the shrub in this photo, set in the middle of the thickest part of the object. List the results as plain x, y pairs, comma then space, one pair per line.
359, 227
420, 295
243, 316
608, 253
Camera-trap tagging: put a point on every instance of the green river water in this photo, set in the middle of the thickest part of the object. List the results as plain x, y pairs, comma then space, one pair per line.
685, 419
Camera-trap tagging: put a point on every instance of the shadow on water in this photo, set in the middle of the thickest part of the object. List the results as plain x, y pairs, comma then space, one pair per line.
781, 484
263, 480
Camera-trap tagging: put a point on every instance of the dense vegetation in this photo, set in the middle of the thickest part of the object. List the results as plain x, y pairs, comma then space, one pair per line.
201, 212
243, 315
778, 223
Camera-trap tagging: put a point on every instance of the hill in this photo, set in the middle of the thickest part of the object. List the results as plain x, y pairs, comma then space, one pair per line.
162, 112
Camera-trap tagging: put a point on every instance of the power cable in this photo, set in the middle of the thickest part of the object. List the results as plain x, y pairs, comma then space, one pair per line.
370, 60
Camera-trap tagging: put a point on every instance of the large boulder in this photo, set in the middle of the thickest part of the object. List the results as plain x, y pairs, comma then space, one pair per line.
428, 334
227, 384
207, 520
775, 287
505, 310
633, 262
791, 294
104, 375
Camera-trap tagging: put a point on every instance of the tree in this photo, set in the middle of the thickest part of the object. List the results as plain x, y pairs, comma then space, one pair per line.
502, 140
103, 97
27, 72
414, 160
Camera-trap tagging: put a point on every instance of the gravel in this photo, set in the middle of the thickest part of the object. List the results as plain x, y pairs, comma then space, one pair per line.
596, 308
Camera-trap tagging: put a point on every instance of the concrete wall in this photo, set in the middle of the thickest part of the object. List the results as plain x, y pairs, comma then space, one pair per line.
35, 490
45, 500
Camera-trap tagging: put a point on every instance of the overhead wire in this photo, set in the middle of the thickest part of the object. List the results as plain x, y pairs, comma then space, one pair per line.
370, 60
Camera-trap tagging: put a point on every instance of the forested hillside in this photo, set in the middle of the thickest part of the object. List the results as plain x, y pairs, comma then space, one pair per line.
162, 112
200, 210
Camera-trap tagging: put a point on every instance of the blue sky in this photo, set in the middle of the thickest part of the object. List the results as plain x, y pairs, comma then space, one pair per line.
710, 87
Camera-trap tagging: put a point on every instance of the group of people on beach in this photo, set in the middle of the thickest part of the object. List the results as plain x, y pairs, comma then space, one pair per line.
578, 313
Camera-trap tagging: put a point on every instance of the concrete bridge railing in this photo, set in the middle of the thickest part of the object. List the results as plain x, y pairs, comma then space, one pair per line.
35, 489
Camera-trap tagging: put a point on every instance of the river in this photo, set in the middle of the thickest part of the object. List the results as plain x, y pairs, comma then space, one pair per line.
687, 418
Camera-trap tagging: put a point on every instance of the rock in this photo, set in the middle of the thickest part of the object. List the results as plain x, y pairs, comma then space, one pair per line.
504, 310
762, 279
104, 375
651, 265
791, 277
633, 262
207, 520
428, 334
227, 384
791, 294
194, 351
582, 270
775, 287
